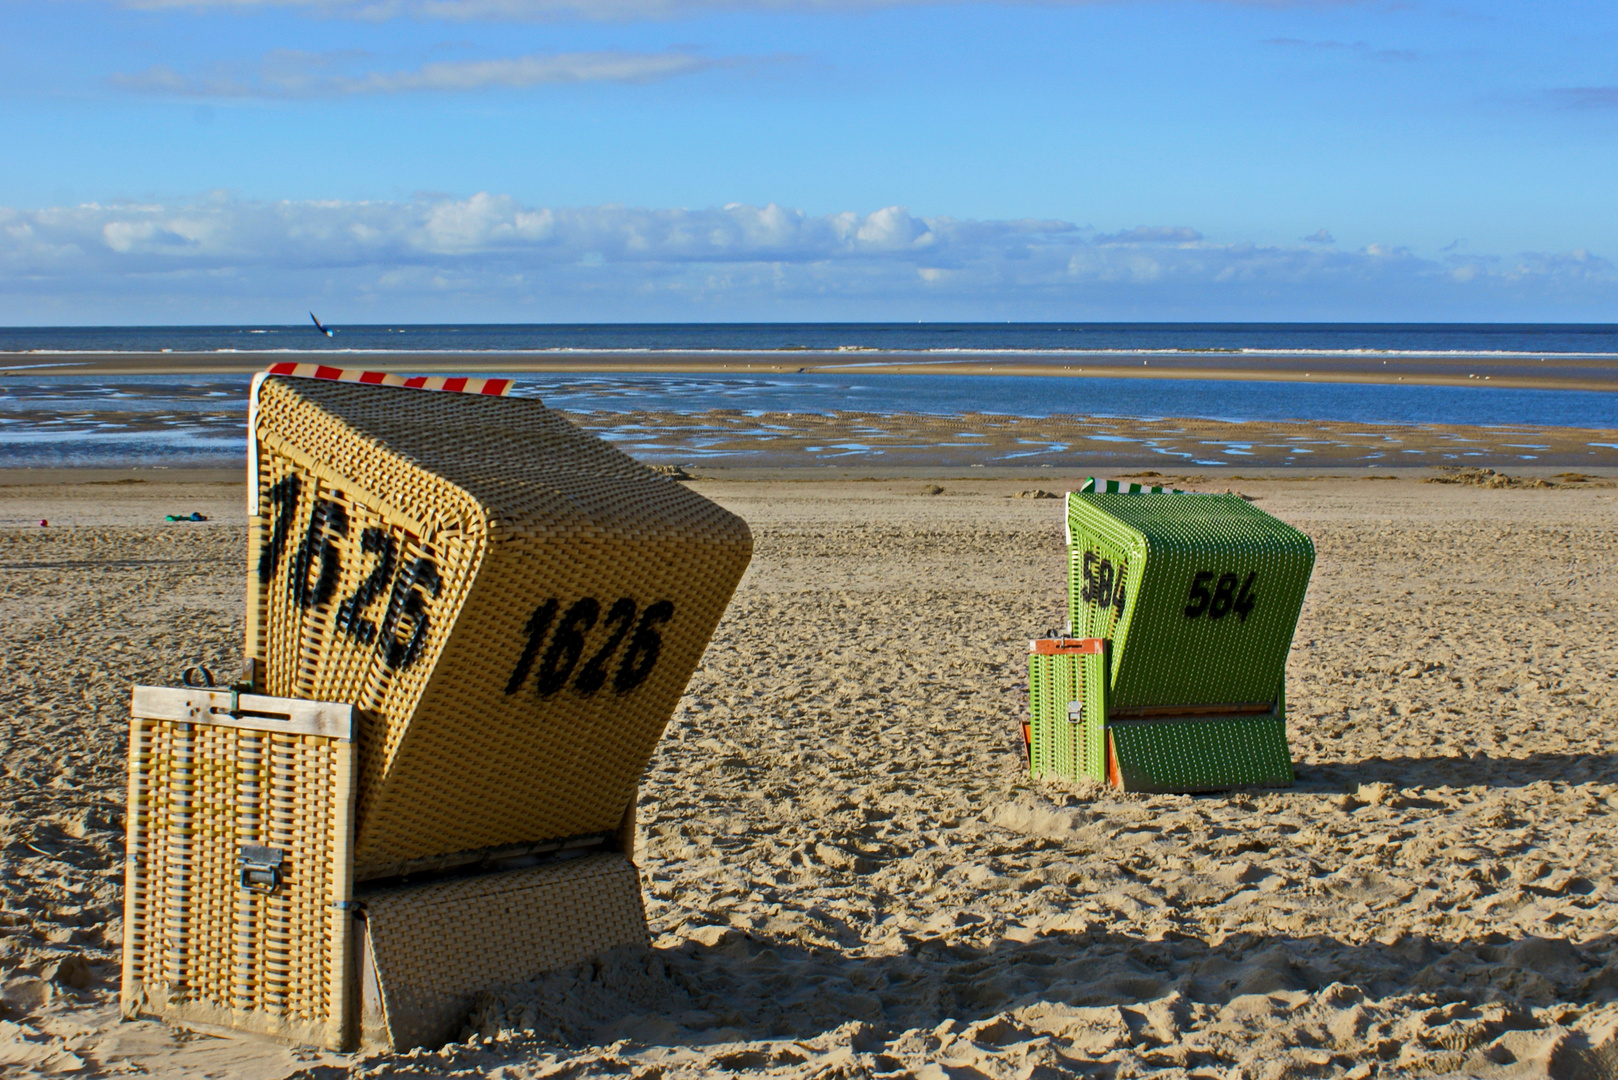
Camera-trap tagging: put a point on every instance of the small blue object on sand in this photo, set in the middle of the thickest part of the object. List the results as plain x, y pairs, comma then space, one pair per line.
181, 517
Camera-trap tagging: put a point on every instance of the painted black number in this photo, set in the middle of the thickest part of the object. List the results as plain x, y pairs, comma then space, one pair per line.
1245, 599
539, 624
283, 500
351, 612
1199, 594
1103, 582
1225, 597
567, 646
407, 604
593, 675
568, 643
641, 657
327, 520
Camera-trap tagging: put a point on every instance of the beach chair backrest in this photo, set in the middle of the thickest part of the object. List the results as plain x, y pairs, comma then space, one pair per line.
1199, 594
512, 605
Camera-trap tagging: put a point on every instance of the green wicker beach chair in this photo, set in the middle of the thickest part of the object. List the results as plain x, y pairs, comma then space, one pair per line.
1182, 610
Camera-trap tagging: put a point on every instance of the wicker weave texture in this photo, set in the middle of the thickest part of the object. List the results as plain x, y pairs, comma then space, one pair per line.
197, 945
432, 948
1200, 594
1068, 705
1202, 754
514, 606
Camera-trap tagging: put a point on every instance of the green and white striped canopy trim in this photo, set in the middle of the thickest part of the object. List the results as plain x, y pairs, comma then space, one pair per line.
1112, 487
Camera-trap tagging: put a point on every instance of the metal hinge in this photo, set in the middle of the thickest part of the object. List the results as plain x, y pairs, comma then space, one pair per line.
260, 867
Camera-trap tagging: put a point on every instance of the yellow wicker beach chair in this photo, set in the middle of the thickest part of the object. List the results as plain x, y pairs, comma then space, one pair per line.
512, 608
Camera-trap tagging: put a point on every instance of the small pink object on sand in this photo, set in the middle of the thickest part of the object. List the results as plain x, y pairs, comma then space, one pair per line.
43, 523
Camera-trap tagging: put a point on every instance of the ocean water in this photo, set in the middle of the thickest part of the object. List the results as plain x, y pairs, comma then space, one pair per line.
50, 419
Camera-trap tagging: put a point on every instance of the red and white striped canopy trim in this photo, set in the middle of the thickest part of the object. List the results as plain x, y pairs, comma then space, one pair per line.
450, 384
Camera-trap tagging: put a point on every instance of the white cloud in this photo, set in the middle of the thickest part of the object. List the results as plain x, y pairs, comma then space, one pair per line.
1320, 236
1153, 234
1587, 97
490, 256
1359, 47
286, 74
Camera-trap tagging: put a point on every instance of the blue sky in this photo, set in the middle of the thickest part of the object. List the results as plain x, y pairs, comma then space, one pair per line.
761, 159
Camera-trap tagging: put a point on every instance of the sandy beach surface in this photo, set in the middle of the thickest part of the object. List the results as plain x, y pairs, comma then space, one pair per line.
846, 870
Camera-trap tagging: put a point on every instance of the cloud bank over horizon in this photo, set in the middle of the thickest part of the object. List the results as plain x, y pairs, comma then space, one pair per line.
290, 74
489, 257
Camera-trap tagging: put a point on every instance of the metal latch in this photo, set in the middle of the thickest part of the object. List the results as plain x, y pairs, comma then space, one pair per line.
260, 867
1075, 712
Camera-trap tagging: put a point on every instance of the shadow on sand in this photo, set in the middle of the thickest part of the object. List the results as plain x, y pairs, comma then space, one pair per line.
1476, 770
745, 988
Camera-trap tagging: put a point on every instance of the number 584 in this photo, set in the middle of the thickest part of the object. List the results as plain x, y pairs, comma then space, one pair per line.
1224, 597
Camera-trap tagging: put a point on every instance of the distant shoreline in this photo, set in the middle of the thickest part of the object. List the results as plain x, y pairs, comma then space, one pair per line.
1587, 373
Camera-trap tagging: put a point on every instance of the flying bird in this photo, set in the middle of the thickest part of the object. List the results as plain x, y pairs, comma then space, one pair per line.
322, 329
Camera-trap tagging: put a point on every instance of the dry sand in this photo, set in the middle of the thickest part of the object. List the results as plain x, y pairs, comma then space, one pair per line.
846, 870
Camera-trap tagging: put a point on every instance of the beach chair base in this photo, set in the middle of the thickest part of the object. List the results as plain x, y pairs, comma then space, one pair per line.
427, 951
1073, 732
1193, 754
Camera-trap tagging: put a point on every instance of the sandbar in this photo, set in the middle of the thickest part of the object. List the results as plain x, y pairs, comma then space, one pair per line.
1491, 370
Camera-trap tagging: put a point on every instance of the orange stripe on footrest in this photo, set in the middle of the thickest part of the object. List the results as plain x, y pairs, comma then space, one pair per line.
1065, 646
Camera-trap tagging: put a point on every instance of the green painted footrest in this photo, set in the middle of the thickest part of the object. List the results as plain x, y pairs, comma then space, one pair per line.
1201, 754
1067, 692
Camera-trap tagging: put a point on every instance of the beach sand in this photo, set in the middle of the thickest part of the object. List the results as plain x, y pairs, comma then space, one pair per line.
847, 871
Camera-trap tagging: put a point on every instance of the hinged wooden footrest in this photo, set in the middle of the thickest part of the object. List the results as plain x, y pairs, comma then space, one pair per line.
1067, 692
239, 862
